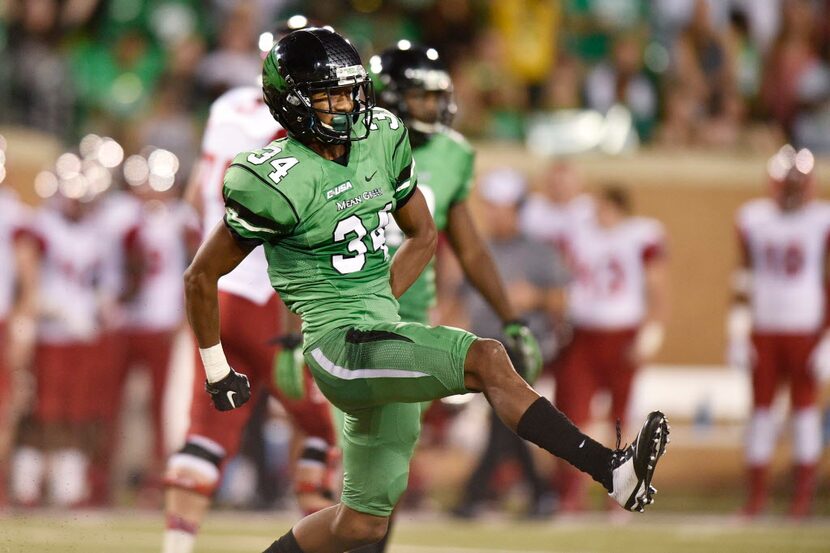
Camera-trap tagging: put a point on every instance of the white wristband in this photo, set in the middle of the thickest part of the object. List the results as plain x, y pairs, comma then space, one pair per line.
216, 365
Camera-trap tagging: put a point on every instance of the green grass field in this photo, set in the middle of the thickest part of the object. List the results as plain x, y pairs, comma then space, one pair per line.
140, 532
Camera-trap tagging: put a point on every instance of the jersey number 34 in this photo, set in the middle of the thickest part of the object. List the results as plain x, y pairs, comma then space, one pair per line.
353, 225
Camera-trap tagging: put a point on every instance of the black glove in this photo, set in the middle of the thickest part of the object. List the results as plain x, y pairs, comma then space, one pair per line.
230, 392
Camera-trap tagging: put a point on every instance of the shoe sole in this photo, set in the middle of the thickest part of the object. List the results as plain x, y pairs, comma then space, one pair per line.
651, 444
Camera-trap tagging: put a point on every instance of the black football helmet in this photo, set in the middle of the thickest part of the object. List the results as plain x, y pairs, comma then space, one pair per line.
317, 60
407, 67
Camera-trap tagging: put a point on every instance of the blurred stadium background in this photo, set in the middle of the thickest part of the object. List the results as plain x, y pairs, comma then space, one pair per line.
680, 101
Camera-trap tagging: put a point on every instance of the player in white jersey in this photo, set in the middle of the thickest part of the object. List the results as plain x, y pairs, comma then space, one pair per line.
16, 323
157, 249
617, 307
239, 120
114, 214
548, 216
778, 319
66, 361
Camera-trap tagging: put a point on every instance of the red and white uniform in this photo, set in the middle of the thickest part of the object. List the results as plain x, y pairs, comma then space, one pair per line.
68, 329
161, 239
153, 315
550, 222
239, 121
786, 253
115, 215
606, 304
607, 289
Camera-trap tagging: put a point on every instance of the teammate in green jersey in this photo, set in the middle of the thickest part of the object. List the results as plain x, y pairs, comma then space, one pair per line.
414, 84
318, 202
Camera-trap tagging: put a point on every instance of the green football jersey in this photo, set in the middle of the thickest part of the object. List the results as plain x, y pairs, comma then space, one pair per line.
322, 224
445, 171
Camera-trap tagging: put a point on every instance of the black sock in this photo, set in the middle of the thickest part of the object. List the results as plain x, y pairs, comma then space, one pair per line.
286, 544
546, 426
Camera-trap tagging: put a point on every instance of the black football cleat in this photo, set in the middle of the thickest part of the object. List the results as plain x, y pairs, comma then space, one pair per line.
633, 467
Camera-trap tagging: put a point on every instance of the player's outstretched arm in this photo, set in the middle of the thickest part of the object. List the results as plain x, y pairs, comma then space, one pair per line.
416, 223
217, 256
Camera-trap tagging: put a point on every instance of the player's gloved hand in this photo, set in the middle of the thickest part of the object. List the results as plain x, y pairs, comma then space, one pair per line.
289, 377
523, 349
820, 360
230, 392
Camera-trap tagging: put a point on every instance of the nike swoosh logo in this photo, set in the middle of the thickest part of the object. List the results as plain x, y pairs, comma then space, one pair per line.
582, 444
233, 403
370, 177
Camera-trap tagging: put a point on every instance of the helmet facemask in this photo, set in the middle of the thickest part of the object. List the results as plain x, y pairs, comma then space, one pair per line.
344, 126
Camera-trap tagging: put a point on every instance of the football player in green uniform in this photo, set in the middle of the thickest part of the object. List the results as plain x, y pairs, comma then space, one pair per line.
414, 84
319, 201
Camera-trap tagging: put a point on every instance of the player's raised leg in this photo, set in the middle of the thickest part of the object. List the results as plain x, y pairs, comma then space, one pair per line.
625, 473
402, 363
